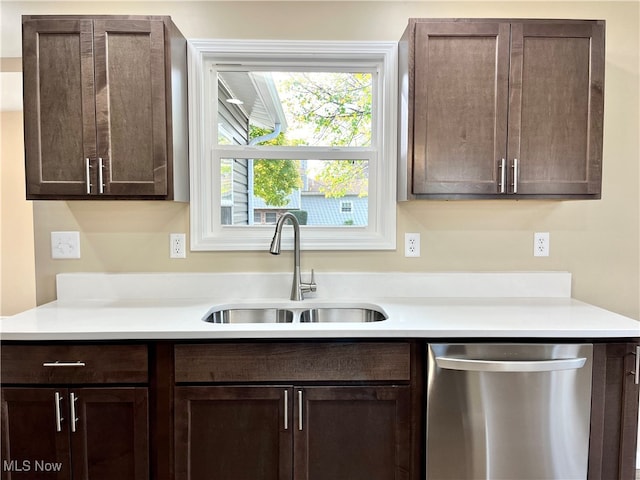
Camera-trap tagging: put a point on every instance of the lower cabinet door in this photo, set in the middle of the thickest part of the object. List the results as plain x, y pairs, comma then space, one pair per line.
110, 433
35, 437
354, 433
233, 433
83, 433
614, 411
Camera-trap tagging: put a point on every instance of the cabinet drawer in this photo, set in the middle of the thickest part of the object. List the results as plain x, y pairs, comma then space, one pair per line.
71, 364
286, 362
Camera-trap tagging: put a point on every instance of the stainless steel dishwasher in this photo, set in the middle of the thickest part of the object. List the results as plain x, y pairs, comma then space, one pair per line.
508, 411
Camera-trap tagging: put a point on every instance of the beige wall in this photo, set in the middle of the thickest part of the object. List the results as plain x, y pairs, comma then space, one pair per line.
17, 277
598, 241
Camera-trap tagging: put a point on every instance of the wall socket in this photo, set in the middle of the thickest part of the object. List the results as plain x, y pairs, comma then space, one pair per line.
65, 244
177, 245
411, 244
541, 244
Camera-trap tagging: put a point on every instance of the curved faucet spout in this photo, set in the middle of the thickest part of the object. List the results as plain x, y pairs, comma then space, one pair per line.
297, 288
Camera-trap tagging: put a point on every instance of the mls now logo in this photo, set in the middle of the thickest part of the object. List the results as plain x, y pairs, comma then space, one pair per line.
28, 466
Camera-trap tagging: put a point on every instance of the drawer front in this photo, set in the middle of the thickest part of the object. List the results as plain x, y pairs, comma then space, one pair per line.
288, 362
74, 364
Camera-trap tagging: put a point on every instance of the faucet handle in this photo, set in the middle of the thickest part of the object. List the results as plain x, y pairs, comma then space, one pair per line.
311, 286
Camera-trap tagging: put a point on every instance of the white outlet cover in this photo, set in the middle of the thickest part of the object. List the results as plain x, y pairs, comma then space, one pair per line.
541, 244
65, 245
177, 245
411, 244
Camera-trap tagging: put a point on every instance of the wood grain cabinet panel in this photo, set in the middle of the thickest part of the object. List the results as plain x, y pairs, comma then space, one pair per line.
614, 411
331, 410
359, 433
281, 362
77, 433
284, 432
99, 96
233, 433
69, 411
501, 109
74, 364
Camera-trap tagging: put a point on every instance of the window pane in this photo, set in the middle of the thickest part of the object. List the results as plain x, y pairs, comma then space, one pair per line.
323, 192
303, 108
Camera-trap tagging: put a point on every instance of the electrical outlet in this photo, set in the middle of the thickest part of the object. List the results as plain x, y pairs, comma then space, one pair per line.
177, 245
65, 244
541, 244
411, 244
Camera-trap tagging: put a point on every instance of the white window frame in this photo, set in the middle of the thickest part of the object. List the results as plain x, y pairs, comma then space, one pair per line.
207, 233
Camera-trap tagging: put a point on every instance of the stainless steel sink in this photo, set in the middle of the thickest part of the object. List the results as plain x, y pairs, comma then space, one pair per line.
295, 313
250, 315
342, 314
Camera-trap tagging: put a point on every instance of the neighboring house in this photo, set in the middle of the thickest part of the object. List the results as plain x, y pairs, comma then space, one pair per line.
347, 210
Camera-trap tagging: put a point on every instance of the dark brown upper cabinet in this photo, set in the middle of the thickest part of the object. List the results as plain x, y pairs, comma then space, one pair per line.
104, 108
501, 109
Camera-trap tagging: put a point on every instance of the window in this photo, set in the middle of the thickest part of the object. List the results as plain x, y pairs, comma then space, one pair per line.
305, 127
346, 207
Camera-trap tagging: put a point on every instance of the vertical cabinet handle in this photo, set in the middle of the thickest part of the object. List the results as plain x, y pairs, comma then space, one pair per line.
503, 176
100, 175
300, 410
59, 418
74, 418
636, 373
87, 165
515, 175
286, 410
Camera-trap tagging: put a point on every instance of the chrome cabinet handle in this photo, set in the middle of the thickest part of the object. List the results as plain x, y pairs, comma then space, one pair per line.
515, 175
636, 372
59, 419
74, 418
452, 363
503, 175
88, 175
286, 410
64, 364
300, 410
100, 180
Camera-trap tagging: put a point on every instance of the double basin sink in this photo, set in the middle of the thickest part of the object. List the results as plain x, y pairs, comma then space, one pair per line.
248, 313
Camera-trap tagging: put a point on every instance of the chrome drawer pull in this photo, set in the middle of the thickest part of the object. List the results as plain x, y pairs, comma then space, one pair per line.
64, 364
515, 175
286, 410
58, 417
299, 409
74, 418
100, 175
503, 176
88, 174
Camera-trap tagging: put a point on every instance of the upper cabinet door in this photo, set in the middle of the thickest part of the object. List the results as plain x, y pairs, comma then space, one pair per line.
59, 107
131, 106
460, 106
556, 108
501, 109
104, 108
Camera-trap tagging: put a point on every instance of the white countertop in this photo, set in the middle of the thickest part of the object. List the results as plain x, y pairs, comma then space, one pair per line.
456, 305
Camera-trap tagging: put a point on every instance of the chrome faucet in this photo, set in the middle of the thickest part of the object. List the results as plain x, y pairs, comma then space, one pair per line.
298, 289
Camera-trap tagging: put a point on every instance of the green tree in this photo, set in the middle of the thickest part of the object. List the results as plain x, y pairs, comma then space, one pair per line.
338, 107
274, 180
336, 104
338, 178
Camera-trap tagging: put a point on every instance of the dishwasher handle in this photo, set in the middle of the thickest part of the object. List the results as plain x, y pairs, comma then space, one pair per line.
455, 363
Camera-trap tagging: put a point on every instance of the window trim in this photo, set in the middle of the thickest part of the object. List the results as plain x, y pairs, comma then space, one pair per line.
207, 233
